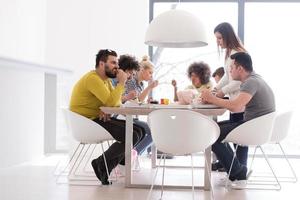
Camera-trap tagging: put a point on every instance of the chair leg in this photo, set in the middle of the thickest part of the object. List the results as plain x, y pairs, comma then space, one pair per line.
82, 157
105, 160
209, 178
163, 178
193, 187
69, 163
89, 158
287, 160
234, 156
57, 166
252, 160
76, 161
266, 158
153, 179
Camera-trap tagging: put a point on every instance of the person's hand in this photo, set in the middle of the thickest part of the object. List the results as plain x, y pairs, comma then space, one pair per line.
153, 84
122, 76
219, 94
149, 99
103, 116
206, 96
174, 83
131, 95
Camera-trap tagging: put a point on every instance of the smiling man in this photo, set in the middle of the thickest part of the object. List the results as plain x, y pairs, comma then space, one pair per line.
257, 98
94, 90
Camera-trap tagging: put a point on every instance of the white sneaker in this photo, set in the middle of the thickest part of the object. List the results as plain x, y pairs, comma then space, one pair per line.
239, 184
223, 181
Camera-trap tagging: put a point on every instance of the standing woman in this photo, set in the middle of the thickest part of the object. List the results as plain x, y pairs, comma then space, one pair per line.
229, 41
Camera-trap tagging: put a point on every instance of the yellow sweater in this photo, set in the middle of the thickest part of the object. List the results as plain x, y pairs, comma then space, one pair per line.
91, 92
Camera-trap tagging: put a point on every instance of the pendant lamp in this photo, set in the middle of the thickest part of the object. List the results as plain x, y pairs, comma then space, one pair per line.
176, 29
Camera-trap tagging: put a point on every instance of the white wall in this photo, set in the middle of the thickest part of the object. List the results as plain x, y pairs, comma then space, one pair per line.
61, 33
76, 30
21, 116
22, 29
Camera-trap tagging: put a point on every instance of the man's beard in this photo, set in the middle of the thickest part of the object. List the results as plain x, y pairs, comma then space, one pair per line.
109, 73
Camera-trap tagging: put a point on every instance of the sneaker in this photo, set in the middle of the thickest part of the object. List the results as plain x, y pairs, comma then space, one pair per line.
239, 184
101, 174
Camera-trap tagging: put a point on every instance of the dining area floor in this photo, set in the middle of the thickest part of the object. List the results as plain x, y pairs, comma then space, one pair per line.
36, 180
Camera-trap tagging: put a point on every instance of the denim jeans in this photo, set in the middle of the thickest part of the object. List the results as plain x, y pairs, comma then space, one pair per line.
224, 152
146, 140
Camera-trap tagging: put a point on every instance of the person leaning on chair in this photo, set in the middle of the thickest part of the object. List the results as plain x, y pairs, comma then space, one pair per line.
257, 98
94, 90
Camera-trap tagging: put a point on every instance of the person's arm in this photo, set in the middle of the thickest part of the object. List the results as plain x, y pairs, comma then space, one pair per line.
231, 87
174, 83
234, 105
129, 96
147, 90
109, 96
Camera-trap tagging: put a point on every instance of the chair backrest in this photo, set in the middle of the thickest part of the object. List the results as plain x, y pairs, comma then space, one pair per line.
85, 130
182, 132
281, 126
253, 132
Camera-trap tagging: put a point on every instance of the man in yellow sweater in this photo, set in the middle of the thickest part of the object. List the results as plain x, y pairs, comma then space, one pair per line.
94, 90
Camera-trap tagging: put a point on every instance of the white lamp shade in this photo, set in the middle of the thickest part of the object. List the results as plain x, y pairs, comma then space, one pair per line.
176, 29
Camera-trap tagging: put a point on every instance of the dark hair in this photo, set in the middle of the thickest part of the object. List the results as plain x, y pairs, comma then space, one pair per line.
103, 54
230, 39
243, 59
127, 62
201, 69
219, 72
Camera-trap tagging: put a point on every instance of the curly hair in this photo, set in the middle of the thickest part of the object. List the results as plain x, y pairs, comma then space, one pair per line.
127, 62
202, 70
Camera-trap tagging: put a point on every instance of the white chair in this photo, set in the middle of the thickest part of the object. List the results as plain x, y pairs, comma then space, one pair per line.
255, 132
280, 132
181, 132
85, 131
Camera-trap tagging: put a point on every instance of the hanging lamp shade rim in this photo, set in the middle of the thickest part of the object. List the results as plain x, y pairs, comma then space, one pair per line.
167, 44
176, 29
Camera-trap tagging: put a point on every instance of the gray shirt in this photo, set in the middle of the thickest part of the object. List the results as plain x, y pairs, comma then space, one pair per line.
262, 102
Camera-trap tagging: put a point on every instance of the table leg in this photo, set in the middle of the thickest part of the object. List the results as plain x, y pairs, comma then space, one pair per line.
207, 168
128, 147
153, 156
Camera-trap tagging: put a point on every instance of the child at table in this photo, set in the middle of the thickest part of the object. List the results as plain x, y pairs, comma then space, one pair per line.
199, 73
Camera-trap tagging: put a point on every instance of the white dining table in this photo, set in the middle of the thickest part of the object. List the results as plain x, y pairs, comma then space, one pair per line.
131, 111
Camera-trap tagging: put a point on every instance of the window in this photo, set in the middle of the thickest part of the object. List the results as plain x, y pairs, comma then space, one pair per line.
173, 63
273, 43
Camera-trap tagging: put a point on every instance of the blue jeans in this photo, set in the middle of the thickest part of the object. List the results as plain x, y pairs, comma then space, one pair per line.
224, 152
242, 151
146, 140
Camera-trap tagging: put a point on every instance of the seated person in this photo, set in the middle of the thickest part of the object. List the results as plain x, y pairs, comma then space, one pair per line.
218, 74
130, 65
258, 99
199, 73
94, 90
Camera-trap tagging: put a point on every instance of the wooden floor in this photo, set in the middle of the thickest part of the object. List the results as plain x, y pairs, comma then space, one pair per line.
36, 181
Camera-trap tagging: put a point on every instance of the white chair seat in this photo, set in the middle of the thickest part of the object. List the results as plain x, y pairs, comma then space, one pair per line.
181, 132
